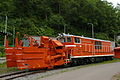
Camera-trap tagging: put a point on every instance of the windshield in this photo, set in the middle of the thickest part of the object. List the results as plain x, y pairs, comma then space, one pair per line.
61, 39
65, 39
25, 42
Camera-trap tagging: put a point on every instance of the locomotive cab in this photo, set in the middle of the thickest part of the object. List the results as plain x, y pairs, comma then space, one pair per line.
28, 41
72, 45
63, 38
69, 39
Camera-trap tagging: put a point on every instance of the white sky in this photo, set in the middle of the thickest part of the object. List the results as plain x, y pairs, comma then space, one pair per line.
114, 2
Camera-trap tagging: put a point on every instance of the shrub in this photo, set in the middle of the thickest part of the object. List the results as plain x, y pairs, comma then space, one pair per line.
2, 51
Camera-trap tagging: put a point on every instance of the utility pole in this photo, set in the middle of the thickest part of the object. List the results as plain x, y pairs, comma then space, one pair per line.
64, 27
114, 37
13, 36
5, 30
92, 29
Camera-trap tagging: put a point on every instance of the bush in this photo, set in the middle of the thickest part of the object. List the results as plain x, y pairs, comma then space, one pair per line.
2, 51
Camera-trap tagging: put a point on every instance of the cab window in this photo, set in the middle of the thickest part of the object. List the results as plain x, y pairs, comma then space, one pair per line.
76, 39
25, 42
68, 39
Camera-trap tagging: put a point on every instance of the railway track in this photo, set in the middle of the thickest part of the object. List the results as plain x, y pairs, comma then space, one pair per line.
18, 74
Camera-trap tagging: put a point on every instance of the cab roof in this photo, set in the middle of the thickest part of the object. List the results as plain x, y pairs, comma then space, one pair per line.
86, 37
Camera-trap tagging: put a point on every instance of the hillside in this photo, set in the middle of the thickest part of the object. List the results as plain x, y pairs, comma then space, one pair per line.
49, 17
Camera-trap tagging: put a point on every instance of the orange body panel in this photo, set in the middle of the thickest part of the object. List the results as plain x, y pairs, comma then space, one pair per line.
10, 57
35, 56
86, 48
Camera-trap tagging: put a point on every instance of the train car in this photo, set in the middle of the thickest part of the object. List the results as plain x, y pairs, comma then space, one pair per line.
117, 52
38, 52
81, 49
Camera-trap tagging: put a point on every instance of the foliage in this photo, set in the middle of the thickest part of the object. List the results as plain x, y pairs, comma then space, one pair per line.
102, 36
49, 17
2, 49
2, 52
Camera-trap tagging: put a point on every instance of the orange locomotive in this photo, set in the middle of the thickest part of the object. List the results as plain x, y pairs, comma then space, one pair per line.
81, 50
38, 52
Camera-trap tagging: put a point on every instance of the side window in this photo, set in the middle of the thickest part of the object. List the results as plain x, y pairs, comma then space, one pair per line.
68, 39
98, 45
77, 40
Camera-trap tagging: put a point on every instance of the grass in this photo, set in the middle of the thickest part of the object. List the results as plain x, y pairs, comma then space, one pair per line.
4, 69
105, 62
2, 54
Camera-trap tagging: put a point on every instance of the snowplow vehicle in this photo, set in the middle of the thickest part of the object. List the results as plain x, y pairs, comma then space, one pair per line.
39, 52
